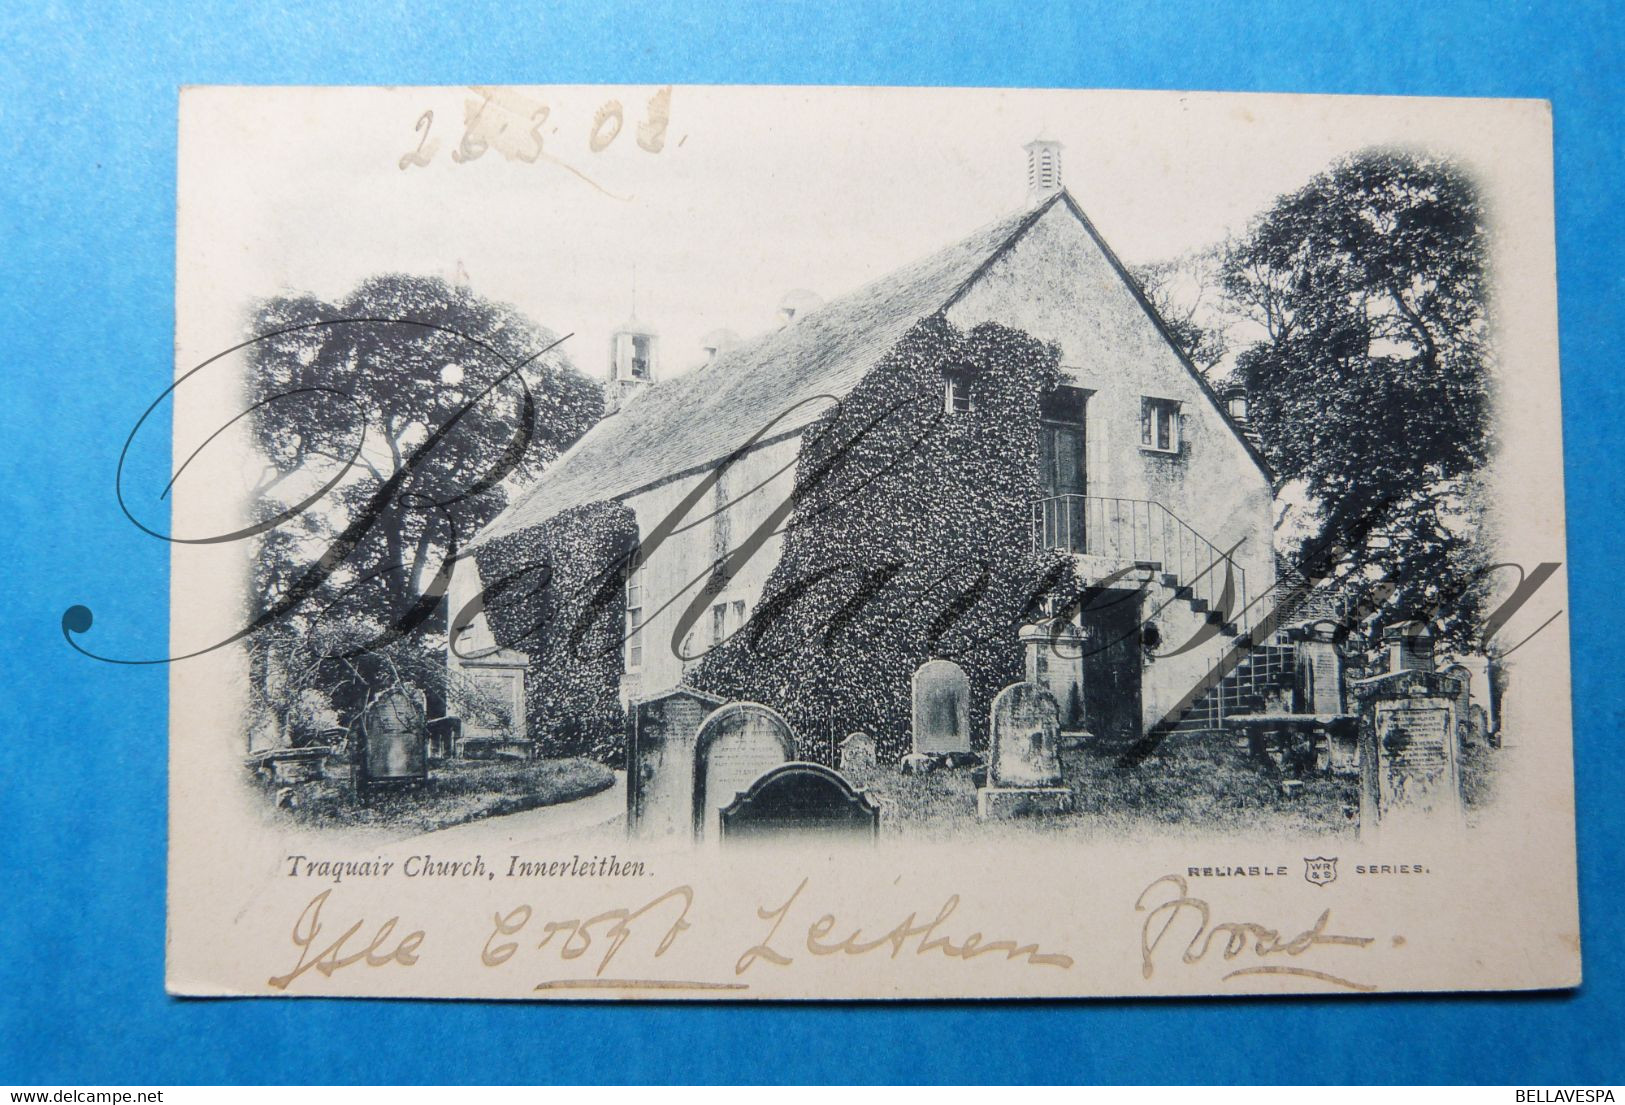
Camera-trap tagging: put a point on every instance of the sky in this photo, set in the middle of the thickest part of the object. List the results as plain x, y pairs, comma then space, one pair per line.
746, 193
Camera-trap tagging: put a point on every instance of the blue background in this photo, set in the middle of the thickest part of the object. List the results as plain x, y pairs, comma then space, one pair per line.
87, 187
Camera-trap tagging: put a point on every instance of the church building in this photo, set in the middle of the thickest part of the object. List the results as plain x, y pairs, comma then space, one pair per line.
1144, 474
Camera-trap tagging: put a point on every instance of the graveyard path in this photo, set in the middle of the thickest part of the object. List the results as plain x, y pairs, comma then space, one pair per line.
601, 813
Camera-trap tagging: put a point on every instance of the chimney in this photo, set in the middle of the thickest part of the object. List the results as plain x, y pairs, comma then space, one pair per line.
718, 342
1043, 169
796, 305
1235, 402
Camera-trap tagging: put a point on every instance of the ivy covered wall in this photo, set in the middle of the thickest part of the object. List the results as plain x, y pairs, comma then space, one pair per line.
911, 540
554, 592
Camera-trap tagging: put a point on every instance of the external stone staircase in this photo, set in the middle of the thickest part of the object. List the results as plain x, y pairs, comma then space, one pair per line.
1265, 674
1185, 579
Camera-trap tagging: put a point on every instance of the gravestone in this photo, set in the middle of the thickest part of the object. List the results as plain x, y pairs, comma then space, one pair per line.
1409, 646
803, 800
660, 750
395, 740
857, 752
734, 747
1054, 653
1410, 774
1318, 688
1024, 760
1481, 672
1464, 703
941, 709
445, 735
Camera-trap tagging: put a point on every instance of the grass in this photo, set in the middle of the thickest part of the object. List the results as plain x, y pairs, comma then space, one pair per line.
1191, 784
458, 791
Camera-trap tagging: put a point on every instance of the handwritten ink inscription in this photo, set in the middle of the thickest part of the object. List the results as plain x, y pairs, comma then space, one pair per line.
1233, 939
382, 950
517, 935
511, 124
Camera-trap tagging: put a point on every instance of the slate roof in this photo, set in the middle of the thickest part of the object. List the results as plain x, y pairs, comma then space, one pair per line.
689, 423
692, 421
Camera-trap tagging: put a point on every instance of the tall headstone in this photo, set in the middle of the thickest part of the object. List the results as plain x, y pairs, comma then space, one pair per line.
734, 747
1409, 646
660, 751
1054, 660
501, 716
1024, 756
1319, 684
1481, 669
395, 740
801, 799
941, 709
1464, 702
857, 752
1410, 774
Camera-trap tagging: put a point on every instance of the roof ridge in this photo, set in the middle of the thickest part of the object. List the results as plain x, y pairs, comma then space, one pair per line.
835, 331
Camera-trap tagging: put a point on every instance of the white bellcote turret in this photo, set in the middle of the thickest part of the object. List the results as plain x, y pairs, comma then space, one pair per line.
1043, 169
632, 363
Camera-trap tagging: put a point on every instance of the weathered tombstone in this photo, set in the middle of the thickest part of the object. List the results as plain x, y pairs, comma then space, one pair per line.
1054, 660
501, 677
857, 752
735, 745
1024, 761
660, 762
1464, 702
1409, 766
395, 740
800, 799
1481, 670
445, 734
1319, 684
941, 709
1410, 647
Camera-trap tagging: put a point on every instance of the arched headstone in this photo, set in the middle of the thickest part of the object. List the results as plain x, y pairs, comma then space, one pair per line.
1464, 701
941, 708
801, 799
660, 762
1026, 728
396, 739
857, 752
1024, 755
735, 745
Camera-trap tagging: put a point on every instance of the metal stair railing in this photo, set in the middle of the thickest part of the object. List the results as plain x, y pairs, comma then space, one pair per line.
1145, 531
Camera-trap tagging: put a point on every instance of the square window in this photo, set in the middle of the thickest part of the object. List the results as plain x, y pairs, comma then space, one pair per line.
1159, 425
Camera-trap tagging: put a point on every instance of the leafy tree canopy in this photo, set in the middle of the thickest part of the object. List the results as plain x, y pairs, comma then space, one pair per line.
355, 392
363, 383
1373, 386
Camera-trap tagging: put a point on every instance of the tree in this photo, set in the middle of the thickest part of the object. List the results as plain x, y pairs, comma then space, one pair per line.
1186, 293
356, 392
1372, 385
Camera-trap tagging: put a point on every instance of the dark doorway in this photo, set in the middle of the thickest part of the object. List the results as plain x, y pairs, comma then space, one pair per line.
1061, 476
1111, 665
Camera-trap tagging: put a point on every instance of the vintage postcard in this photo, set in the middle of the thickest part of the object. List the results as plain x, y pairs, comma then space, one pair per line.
738, 543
